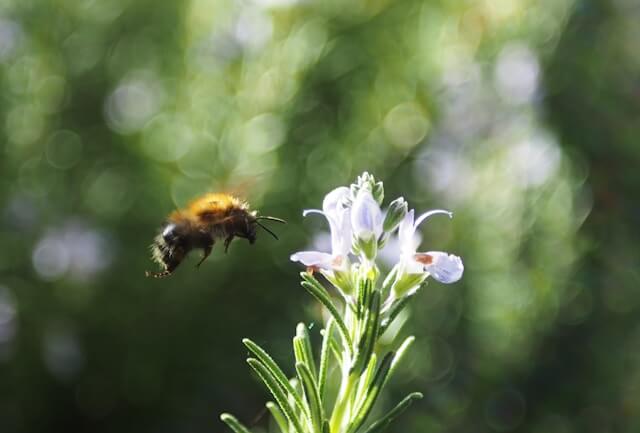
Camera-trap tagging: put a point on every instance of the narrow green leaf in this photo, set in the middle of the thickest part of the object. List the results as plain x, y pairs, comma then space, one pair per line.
326, 428
305, 341
394, 310
298, 350
370, 333
382, 423
364, 292
320, 293
378, 382
365, 379
324, 357
233, 423
277, 392
400, 353
335, 349
389, 280
278, 416
295, 383
312, 395
276, 372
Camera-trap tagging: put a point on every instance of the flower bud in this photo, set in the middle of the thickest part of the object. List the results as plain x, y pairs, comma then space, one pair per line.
378, 192
366, 179
367, 182
395, 214
366, 223
366, 216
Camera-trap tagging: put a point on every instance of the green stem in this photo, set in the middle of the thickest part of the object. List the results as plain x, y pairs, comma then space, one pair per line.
343, 400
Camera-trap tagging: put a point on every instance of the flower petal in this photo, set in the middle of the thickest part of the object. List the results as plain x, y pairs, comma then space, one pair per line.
340, 228
406, 229
426, 215
410, 265
313, 258
334, 199
366, 215
341, 234
446, 268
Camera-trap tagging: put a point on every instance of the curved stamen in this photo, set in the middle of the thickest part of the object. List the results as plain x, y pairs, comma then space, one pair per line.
426, 215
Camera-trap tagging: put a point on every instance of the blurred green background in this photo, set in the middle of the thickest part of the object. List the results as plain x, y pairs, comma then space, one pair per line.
521, 116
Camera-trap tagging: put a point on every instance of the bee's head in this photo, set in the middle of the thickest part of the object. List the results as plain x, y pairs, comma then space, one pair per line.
170, 247
249, 230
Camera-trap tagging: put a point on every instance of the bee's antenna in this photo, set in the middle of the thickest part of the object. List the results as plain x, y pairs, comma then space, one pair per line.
270, 218
269, 231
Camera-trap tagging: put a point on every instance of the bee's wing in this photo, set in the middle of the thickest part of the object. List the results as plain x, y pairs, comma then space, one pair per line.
214, 217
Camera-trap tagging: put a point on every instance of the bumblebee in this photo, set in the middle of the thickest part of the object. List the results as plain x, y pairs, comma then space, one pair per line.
205, 220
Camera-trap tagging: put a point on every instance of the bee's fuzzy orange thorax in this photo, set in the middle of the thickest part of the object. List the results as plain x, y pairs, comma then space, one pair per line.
211, 206
215, 202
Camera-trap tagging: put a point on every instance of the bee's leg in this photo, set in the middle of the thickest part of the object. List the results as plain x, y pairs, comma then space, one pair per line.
227, 242
170, 267
205, 253
157, 274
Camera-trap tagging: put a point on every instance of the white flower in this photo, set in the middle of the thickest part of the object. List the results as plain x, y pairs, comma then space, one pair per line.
444, 267
339, 220
366, 216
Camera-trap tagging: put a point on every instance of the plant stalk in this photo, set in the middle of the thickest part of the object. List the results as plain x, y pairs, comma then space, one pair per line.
340, 416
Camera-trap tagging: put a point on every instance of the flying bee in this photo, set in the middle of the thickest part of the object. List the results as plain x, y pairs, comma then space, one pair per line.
205, 220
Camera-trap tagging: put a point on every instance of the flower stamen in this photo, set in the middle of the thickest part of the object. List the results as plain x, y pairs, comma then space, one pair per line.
423, 258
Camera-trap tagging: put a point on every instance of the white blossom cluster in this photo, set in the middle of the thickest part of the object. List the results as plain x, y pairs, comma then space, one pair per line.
359, 228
